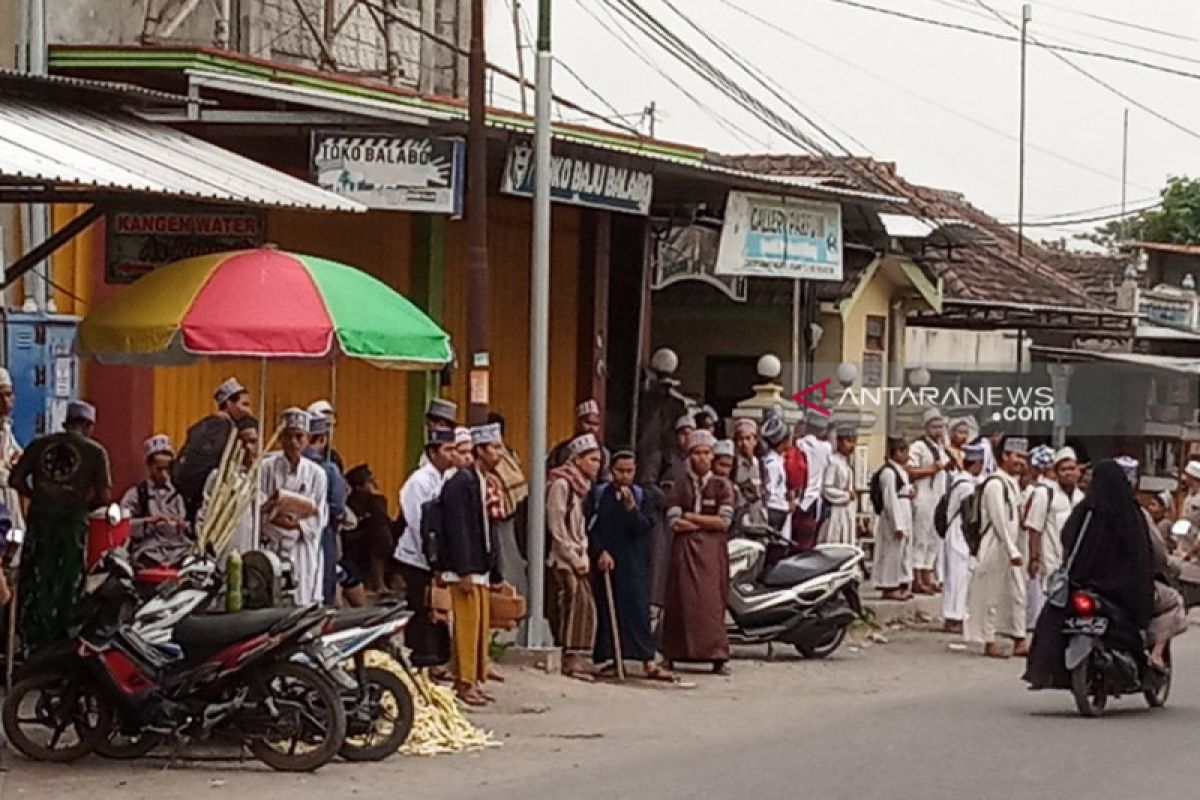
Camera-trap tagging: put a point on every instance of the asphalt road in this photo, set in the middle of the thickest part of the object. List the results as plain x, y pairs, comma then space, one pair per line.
904, 719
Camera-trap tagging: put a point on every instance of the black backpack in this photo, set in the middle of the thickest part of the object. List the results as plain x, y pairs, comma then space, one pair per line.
431, 527
972, 515
941, 514
876, 487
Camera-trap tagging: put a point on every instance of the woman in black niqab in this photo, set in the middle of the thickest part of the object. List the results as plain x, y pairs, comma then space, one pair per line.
1115, 560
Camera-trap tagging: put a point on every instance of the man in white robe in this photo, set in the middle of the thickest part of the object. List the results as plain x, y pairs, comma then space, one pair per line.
837, 490
290, 526
892, 569
927, 460
996, 598
1041, 552
817, 449
1067, 495
956, 555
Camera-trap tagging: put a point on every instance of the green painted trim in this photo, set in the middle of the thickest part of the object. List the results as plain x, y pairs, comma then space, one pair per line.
427, 284
185, 59
730, 313
864, 280
930, 292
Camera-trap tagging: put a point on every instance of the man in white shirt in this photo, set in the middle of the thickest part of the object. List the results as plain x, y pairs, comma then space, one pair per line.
956, 554
1042, 548
290, 525
806, 523
428, 640
996, 598
927, 460
779, 506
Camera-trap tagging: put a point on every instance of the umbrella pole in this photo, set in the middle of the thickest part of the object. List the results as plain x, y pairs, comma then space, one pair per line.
333, 401
262, 421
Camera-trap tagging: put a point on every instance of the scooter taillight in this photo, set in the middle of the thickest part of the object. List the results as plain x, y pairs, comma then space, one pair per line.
1083, 604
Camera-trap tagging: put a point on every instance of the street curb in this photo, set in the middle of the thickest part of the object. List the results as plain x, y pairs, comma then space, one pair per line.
546, 659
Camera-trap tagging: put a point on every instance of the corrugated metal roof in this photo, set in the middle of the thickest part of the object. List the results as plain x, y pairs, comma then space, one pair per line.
60, 86
68, 146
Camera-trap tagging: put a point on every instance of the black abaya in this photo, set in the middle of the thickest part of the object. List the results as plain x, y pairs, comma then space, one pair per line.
624, 535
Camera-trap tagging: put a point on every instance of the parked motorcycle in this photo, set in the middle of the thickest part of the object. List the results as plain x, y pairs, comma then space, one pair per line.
138, 676
379, 706
1106, 656
808, 600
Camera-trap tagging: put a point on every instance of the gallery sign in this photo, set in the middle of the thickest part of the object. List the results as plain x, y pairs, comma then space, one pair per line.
769, 236
582, 182
141, 241
392, 172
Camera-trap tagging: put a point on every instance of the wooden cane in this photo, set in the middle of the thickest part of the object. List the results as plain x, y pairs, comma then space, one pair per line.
612, 621
10, 635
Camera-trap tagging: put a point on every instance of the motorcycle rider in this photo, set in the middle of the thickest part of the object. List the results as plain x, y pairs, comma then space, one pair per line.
1114, 559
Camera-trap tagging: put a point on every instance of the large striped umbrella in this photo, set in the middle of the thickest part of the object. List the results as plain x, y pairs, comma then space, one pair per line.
266, 304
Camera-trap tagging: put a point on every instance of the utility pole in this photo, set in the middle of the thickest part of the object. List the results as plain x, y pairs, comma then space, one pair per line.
477, 221
1124, 172
1026, 17
537, 634
516, 20
651, 113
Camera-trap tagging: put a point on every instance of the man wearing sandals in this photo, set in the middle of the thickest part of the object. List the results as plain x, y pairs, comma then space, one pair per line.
619, 525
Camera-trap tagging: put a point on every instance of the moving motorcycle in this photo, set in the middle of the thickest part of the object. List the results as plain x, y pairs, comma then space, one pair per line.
808, 600
163, 672
1106, 656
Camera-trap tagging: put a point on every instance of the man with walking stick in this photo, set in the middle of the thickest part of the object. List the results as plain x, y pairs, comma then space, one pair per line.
619, 528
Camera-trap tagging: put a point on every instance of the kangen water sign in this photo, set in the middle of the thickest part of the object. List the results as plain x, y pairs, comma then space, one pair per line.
392, 172
768, 236
582, 182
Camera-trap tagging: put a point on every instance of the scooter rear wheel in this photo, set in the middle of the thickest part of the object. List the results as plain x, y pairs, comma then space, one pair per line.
1090, 697
823, 648
1157, 698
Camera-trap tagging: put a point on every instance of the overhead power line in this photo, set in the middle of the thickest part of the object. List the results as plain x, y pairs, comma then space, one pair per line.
904, 88
1004, 37
1050, 223
1099, 81
1121, 23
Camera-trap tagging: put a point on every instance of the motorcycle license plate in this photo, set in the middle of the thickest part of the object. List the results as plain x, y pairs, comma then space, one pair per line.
1094, 626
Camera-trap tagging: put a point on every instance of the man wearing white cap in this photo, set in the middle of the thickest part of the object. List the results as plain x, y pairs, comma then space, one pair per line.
806, 520
723, 455
160, 529
297, 507
10, 450
206, 440
699, 513
997, 595
1191, 482
64, 476
837, 490
324, 410
467, 562
1043, 548
568, 489
927, 460
587, 420
956, 555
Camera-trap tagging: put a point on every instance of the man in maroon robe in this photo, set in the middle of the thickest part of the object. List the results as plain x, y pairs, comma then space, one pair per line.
699, 512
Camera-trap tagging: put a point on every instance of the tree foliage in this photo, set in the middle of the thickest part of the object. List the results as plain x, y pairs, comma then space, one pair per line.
1176, 219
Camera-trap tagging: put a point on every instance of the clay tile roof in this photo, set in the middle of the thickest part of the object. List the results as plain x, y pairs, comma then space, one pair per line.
986, 270
1097, 274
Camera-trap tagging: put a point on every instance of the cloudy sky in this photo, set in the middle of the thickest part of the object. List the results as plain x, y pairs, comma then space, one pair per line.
941, 102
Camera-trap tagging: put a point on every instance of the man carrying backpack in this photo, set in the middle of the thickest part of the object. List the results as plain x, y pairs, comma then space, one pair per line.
891, 496
429, 640
1037, 524
956, 555
997, 595
927, 461
206, 442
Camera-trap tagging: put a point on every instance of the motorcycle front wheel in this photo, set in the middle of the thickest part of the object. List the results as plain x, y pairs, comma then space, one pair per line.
300, 716
389, 705
55, 717
1091, 698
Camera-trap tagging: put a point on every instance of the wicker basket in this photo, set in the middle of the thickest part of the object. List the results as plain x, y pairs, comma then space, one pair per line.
507, 608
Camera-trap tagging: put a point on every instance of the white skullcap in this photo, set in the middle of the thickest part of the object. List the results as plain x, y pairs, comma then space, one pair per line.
1065, 454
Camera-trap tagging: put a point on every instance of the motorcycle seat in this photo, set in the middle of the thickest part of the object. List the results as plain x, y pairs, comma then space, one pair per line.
806, 566
364, 617
203, 634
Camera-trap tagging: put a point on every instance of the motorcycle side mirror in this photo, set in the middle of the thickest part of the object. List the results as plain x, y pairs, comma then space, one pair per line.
1181, 528
113, 514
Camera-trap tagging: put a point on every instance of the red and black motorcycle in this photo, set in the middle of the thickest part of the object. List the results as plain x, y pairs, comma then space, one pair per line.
163, 673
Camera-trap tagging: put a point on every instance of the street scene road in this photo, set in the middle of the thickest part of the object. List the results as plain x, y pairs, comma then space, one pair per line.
909, 717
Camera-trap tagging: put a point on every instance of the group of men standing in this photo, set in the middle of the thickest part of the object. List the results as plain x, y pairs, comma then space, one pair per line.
1013, 501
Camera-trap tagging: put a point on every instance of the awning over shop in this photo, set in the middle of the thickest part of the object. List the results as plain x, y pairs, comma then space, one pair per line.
1172, 364
53, 148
